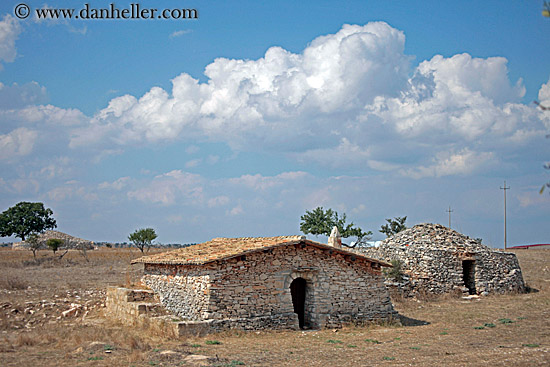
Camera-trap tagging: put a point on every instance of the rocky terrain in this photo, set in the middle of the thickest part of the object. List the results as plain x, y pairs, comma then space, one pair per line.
21, 314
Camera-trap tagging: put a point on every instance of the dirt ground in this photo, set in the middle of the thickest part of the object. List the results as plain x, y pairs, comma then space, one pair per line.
51, 314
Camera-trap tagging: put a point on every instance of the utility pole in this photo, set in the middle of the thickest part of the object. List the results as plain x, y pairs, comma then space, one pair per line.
449, 211
505, 188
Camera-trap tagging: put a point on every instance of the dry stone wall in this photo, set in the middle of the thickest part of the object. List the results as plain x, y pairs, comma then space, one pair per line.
140, 308
499, 273
124, 303
184, 290
253, 291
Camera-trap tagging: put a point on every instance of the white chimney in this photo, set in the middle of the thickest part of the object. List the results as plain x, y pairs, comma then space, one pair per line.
335, 240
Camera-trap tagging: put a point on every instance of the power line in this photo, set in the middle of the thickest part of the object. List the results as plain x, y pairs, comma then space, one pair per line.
505, 188
449, 211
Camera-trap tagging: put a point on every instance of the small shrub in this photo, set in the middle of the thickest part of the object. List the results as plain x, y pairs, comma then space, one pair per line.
212, 342
505, 321
334, 341
479, 327
196, 345
488, 324
54, 244
388, 358
415, 348
10, 282
531, 345
375, 341
396, 272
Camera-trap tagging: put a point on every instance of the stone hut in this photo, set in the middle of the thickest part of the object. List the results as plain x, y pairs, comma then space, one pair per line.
69, 242
269, 282
437, 259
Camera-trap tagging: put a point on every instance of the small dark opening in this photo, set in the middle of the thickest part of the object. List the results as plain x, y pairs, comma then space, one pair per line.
469, 275
298, 293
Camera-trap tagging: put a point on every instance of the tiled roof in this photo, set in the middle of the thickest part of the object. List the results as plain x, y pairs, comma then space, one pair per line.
224, 248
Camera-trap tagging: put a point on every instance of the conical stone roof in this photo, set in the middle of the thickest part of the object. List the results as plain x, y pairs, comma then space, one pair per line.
433, 236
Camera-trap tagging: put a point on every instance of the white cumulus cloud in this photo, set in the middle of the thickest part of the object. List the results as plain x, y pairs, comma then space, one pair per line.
262, 100
18, 142
9, 31
166, 188
118, 184
447, 164
349, 99
261, 182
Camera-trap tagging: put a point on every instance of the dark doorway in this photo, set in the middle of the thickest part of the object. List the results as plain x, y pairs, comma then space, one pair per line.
298, 293
469, 275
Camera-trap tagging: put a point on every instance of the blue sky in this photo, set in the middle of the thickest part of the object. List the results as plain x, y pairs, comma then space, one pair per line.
236, 123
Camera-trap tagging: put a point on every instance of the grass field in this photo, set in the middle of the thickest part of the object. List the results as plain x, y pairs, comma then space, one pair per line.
51, 314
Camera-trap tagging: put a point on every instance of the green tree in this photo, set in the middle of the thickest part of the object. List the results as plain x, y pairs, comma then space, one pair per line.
143, 238
54, 244
25, 218
394, 226
34, 243
319, 221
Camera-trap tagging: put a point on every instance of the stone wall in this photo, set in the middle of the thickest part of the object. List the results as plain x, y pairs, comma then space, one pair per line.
140, 308
184, 290
253, 291
127, 304
499, 273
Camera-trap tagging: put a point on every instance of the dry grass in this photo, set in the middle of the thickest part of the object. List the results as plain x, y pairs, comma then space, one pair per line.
498, 330
13, 282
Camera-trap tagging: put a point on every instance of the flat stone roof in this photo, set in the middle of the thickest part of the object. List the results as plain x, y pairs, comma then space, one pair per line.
222, 248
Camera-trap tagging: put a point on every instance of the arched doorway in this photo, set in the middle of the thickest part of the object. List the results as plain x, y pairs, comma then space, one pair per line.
298, 293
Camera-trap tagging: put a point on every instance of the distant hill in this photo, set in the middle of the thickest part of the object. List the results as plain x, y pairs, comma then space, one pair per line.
69, 242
